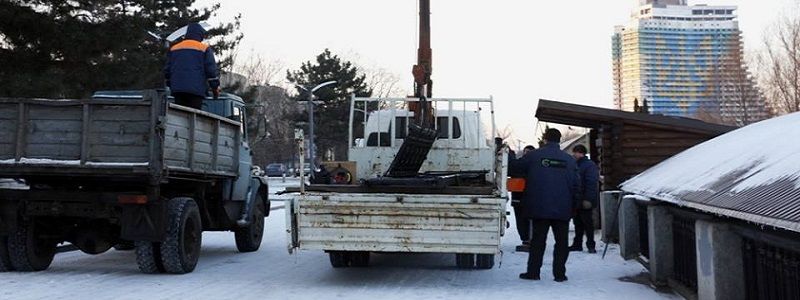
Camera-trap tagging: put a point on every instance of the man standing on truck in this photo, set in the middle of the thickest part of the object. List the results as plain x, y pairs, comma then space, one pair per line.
550, 199
590, 196
191, 69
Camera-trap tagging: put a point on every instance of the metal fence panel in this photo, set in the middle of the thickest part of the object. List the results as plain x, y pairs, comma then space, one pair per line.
684, 252
771, 273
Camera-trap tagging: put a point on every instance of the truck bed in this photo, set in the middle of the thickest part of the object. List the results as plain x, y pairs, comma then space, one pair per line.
397, 223
43, 137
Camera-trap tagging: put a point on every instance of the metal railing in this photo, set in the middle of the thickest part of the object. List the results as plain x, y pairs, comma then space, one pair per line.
387, 111
771, 273
684, 251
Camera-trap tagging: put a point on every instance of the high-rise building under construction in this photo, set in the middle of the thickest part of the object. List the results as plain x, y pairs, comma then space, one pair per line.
684, 61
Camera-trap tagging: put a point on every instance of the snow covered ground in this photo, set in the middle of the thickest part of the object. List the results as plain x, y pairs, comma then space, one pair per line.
271, 273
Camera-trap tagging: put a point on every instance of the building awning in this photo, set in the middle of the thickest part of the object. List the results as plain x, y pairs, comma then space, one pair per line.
627, 143
595, 117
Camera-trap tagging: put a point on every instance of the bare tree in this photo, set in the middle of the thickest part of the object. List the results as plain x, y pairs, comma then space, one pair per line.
261, 71
259, 81
740, 101
780, 64
506, 133
384, 83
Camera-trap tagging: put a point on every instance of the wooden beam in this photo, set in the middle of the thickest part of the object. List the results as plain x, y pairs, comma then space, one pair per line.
22, 126
215, 145
85, 134
358, 189
190, 146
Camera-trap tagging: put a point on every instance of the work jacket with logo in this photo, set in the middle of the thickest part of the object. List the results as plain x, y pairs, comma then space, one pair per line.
552, 184
191, 67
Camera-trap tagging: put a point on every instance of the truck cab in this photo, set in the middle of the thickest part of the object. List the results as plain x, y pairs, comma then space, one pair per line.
462, 144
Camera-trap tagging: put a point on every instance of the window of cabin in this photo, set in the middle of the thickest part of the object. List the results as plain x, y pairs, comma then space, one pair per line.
442, 127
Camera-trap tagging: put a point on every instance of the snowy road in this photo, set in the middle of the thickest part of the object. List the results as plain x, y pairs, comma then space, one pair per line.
271, 273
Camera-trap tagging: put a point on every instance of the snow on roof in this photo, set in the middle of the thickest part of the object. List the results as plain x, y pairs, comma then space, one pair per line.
752, 174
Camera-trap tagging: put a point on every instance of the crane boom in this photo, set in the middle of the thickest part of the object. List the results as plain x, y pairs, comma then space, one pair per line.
424, 68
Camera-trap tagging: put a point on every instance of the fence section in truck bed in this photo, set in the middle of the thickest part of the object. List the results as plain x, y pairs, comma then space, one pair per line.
397, 223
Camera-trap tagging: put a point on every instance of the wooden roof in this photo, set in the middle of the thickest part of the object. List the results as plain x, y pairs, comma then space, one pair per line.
595, 117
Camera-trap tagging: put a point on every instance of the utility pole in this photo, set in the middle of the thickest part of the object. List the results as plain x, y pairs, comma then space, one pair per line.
310, 99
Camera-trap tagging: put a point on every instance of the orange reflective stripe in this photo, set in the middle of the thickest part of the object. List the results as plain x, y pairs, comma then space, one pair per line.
190, 44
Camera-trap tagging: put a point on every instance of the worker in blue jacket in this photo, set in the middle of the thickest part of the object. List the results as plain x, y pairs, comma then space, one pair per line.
191, 69
550, 190
589, 197
523, 223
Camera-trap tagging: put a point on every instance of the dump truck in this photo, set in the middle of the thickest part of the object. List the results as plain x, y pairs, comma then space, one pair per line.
126, 170
457, 204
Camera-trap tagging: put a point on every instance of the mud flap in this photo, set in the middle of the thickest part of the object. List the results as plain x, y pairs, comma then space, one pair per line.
291, 226
247, 208
144, 222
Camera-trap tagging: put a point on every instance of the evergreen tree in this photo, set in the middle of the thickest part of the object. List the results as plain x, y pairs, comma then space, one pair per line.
332, 116
72, 48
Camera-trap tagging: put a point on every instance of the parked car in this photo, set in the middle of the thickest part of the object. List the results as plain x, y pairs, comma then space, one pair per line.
306, 170
276, 170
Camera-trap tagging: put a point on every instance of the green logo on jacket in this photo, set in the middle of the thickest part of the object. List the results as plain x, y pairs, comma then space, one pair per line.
553, 163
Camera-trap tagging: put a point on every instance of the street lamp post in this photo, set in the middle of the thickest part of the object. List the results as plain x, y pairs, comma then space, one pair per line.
312, 146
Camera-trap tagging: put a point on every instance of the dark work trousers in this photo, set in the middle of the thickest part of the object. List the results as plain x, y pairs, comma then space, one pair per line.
521, 217
584, 225
189, 100
539, 241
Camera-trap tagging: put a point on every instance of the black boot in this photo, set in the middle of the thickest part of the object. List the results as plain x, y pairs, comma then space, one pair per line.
529, 276
561, 278
575, 248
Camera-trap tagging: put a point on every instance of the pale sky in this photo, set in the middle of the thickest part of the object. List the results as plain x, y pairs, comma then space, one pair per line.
517, 51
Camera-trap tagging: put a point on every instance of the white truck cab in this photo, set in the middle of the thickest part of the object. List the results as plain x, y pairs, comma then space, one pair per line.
463, 143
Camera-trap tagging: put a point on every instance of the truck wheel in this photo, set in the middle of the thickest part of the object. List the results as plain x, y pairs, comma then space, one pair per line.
248, 239
26, 251
359, 259
485, 261
148, 257
339, 259
5, 260
465, 261
181, 248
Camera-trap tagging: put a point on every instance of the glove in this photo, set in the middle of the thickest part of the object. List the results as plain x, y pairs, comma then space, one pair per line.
215, 92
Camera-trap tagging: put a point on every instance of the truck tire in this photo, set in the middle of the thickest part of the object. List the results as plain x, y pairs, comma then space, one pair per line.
26, 251
339, 259
5, 260
181, 247
359, 259
248, 239
485, 261
465, 261
148, 257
